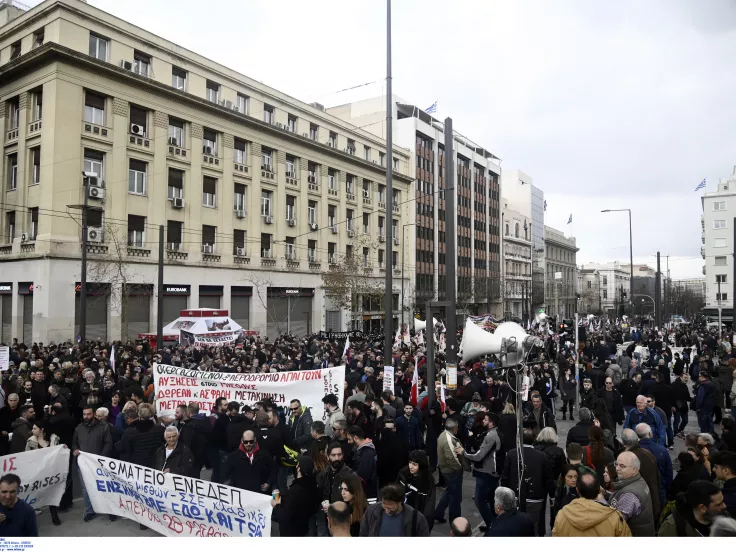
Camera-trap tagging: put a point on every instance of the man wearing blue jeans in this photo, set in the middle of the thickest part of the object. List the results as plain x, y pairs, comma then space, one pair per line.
451, 467
91, 437
484, 467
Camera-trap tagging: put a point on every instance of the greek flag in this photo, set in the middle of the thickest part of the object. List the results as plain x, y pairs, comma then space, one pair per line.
431, 109
701, 185
545, 204
570, 219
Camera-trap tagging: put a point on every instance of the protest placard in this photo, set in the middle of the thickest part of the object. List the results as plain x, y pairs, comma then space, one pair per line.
42, 472
4, 358
173, 505
388, 378
175, 386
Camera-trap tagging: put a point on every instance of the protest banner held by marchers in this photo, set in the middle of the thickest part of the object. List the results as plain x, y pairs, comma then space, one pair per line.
42, 473
173, 505
175, 386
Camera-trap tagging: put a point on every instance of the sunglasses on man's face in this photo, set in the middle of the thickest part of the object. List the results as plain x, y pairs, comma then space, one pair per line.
248, 441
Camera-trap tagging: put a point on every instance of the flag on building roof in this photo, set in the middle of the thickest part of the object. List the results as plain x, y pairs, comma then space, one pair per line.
700, 186
569, 221
545, 204
431, 109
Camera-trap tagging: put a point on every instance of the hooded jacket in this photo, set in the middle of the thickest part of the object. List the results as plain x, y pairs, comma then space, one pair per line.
21, 430
194, 433
589, 518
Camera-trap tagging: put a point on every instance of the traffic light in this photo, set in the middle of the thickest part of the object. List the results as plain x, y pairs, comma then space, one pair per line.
566, 328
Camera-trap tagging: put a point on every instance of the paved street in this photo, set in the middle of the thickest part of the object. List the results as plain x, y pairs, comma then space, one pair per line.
73, 526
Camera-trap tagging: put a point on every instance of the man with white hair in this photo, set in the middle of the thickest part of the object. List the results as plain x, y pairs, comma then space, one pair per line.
631, 496
664, 462
174, 457
509, 521
102, 415
643, 414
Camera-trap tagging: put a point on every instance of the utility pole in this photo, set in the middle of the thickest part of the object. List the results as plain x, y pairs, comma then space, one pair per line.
160, 292
451, 241
388, 301
658, 295
83, 278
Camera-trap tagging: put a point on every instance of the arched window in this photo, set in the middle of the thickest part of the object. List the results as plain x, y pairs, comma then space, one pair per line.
516, 229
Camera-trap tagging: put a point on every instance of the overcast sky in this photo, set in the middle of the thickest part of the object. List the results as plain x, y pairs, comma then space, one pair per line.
605, 104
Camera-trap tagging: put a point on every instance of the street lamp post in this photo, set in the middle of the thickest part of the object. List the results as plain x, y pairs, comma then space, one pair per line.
403, 241
631, 259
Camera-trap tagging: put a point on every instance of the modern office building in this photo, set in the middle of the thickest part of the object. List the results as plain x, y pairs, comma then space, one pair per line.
719, 210
478, 196
517, 262
258, 193
519, 188
561, 279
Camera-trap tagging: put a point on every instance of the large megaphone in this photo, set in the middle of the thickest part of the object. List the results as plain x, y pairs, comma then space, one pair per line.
420, 325
509, 340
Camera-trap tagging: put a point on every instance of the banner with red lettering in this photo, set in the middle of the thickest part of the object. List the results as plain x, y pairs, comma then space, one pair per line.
173, 505
43, 473
175, 386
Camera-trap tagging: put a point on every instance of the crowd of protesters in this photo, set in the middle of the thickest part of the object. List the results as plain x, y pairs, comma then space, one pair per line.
390, 463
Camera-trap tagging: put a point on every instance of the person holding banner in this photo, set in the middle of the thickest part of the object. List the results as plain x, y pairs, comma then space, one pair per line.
174, 457
42, 438
93, 437
17, 518
250, 467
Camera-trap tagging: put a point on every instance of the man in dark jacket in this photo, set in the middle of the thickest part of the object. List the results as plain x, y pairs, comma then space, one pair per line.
298, 504
612, 398
664, 396
174, 457
239, 423
330, 481
194, 431
21, 428
579, 432
392, 518
537, 475
8, 414
94, 438
218, 438
664, 462
250, 467
630, 389
299, 424
539, 414
364, 460
724, 468
681, 401
392, 454
509, 521
705, 402
142, 439
408, 429
62, 424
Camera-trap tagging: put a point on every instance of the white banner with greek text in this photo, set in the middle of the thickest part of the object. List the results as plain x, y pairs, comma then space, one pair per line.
42, 473
175, 386
173, 505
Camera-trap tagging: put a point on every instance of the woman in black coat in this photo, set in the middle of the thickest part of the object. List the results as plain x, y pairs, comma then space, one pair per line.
299, 503
174, 457
507, 428
418, 482
546, 442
